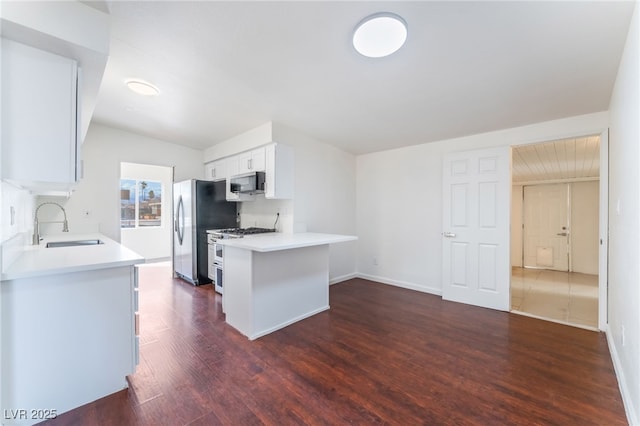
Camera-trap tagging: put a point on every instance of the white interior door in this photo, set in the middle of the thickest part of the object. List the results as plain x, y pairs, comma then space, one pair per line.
546, 226
475, 217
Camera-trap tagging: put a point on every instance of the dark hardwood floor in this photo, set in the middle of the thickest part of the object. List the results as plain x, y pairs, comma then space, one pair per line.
380, 355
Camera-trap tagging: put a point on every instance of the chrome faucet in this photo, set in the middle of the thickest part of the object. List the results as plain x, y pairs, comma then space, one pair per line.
36, 223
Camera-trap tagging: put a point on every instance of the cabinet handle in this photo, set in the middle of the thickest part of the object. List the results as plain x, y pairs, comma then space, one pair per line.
249, 163
213, 172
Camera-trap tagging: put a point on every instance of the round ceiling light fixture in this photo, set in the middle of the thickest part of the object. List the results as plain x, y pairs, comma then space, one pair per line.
142, 87
380, 35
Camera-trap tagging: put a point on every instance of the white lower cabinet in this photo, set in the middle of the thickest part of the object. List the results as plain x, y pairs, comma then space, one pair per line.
40, 146
67, 339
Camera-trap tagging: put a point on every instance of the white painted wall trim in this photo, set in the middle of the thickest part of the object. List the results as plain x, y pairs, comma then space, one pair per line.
603, 230
632, 416
403, 284
343, 278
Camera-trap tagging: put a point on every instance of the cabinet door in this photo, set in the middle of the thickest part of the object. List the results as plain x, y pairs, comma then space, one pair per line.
232, 170
278, 172
252, 161
258, 160
220, 170
209, 171
244, 163
216, 170
39, 105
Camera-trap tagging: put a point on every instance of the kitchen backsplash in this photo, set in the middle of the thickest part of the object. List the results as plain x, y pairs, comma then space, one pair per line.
263, 213
79, 222
17, 221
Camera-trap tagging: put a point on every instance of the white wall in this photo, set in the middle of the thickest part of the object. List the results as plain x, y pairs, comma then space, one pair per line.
324, 195
263, 213
399, 200
16, 232
99, 191
585, 224
324, 191
151, 242
624, 223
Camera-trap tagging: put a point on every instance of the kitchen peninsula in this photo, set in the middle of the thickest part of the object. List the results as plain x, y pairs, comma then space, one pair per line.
273, 280
69, 324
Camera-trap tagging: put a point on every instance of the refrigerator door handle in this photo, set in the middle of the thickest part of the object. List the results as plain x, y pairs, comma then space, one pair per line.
179, 224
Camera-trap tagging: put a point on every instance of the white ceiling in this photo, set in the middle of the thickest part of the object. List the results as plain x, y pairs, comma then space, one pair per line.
467, 67
567, 159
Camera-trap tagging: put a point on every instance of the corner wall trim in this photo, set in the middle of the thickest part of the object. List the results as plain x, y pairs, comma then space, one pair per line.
632, 416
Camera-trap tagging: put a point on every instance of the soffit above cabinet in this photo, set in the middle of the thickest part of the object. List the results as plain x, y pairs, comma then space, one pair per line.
70, 29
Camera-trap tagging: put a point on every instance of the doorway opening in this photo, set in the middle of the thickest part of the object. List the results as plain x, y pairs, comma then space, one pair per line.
555, 231
145, 210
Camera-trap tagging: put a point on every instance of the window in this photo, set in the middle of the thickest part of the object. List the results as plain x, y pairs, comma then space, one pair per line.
140, 203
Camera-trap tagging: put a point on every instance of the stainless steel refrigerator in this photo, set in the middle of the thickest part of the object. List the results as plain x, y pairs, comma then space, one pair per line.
198, 205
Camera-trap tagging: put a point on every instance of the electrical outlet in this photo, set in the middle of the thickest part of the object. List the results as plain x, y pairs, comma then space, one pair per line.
622, 337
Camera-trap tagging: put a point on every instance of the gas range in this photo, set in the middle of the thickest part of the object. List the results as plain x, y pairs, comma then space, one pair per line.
240, 232
216, 252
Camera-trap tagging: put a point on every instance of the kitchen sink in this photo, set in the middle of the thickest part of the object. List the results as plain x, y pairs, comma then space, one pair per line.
75, 243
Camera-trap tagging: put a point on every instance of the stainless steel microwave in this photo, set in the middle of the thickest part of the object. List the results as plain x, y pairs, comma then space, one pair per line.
249, 183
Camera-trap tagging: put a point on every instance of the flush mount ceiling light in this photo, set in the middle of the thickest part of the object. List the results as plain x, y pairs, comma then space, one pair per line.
380, 34
142, 87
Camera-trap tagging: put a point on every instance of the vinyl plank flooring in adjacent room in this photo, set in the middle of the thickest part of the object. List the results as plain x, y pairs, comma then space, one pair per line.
566, 297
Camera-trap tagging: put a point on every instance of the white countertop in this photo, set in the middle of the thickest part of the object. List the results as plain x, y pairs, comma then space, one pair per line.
284, 241
40, 260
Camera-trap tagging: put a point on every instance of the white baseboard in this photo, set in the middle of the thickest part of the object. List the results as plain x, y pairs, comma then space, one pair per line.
342, 278
403, 284
286, 323
632, 416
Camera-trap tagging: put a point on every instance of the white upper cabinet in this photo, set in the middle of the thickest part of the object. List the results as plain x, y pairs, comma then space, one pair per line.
278, 172
233, 170
70, 29
275, 160
251, 161
216, 170
40, 146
